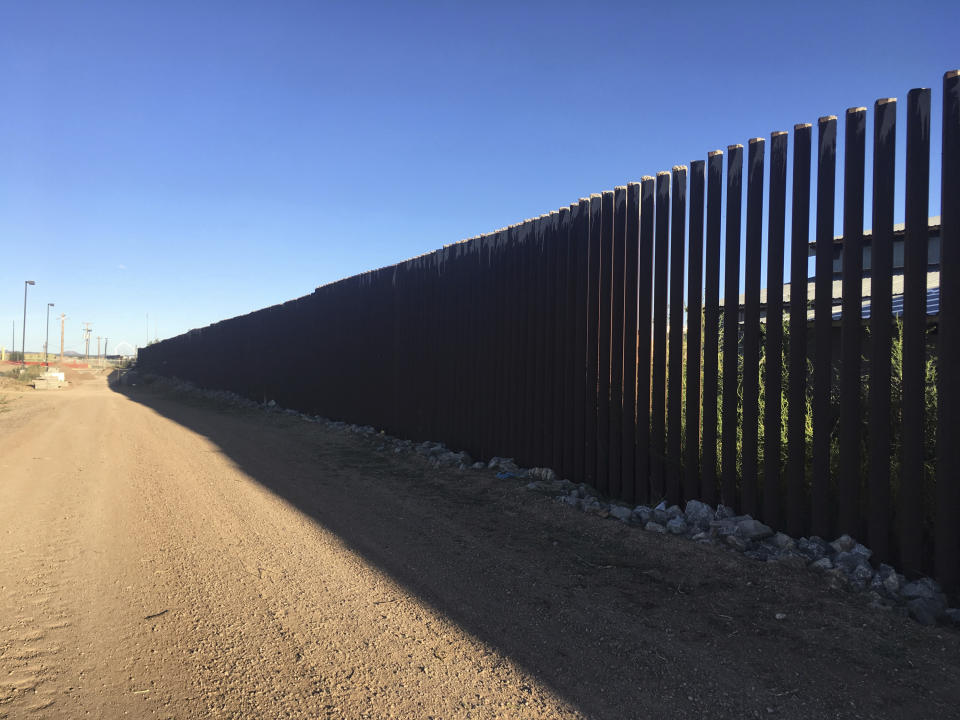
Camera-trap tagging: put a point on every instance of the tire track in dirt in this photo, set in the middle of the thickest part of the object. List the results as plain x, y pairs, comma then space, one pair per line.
35, 559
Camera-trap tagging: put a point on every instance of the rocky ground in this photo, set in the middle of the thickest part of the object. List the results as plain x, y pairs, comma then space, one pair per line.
844, 560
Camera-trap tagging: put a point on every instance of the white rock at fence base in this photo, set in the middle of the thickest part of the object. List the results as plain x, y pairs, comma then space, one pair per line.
723, 513
783, 541
850, 562
926, 610
814, 547
642, 514
922, 588
677, 526
753, 529
596, 508
698, 513
844, 543
861, 576
823, 563
621, 513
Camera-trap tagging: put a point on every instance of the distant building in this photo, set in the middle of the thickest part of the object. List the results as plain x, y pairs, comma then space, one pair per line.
933, 275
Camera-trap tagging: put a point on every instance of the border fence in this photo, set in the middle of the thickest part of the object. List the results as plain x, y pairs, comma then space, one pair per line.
567, 341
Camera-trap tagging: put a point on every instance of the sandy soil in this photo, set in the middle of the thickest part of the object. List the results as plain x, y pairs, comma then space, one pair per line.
166, 557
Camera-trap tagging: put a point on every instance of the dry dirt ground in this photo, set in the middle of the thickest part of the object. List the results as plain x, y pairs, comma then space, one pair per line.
162, 556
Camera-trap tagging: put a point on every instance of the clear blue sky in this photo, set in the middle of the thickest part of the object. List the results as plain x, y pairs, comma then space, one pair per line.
199, 160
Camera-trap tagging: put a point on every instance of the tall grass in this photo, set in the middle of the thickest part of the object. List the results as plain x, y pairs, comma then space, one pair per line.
895, 420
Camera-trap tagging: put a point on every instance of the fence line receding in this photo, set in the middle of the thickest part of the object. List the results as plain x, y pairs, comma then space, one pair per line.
567, 341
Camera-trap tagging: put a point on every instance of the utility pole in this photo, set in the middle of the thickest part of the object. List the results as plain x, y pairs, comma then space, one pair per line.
98, 351
62, 318
86, 340
105, 341
23, 347
46, 342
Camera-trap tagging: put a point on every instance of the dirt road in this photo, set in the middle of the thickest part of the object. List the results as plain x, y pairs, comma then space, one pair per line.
166, 557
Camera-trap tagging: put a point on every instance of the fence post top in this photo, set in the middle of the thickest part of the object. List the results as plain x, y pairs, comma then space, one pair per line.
802, 126
855, 110
735, 146
884, 101
714, 153
778, 133
827, 119
679, 168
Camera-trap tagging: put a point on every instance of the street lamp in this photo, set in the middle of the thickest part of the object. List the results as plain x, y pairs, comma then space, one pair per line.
23, 343
46, 342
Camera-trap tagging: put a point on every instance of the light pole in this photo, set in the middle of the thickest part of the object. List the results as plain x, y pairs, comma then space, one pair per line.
23, 343
46, 342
